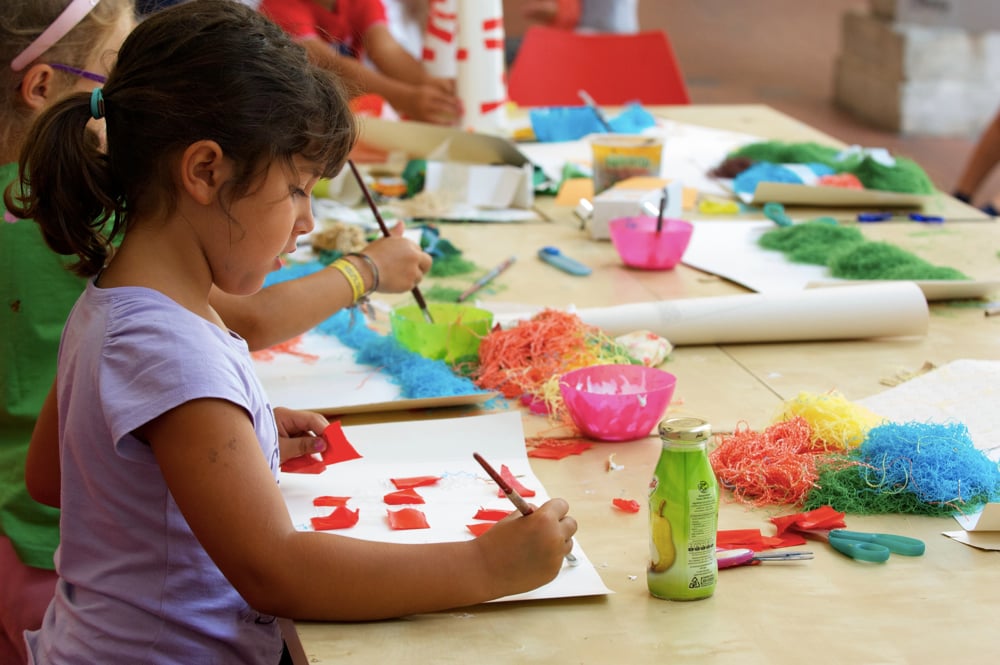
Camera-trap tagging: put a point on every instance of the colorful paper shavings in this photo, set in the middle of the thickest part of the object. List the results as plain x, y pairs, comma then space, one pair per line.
407, 518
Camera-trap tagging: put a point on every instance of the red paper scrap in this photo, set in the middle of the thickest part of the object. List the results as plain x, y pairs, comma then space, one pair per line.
338, 448
491, 514
753, 539
303, 464
331, 500
480, 528
407, 518
628, 505
548, 448
403, 497
506, 474
340, 518
415, 481
823, 518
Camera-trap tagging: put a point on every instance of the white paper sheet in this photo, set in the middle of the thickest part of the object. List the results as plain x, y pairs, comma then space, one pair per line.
437, 448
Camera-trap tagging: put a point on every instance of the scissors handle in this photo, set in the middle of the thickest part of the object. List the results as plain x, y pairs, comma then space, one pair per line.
881, 541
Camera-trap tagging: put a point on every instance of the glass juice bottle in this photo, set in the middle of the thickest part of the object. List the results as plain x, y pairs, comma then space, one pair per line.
683, 513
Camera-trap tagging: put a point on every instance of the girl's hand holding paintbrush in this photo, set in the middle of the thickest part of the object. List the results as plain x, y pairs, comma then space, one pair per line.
400, 261
523, 552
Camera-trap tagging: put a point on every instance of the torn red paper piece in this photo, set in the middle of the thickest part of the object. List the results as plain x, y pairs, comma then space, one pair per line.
331, 500
548, 448
628, 505
341, 518
403, 497
303, 464
491, 514
338, 448
753, 539
823, 518
415, 481
479, 529
407, 518
506, 474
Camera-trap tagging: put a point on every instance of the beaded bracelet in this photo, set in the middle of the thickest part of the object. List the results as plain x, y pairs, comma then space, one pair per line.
371, 264
353, 277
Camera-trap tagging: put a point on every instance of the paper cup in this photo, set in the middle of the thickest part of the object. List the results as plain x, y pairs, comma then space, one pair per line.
617, 157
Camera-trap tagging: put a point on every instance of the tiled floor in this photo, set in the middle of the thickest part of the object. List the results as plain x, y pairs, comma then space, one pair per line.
782, 53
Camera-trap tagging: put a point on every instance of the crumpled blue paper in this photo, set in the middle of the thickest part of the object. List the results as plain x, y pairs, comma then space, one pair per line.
569, 123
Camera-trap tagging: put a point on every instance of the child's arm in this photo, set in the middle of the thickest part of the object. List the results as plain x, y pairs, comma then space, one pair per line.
282, 311
213, 465
42, 475
413, 98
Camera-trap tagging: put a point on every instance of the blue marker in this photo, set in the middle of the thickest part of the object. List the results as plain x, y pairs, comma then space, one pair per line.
554, 257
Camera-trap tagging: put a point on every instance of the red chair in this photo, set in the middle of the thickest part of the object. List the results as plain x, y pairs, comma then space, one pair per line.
553, 65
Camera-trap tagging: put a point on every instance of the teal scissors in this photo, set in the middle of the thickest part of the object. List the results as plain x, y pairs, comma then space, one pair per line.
873, 547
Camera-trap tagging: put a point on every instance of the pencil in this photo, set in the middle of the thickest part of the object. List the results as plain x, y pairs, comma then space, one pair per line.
486, 279
589, 101
515, 498
419, 297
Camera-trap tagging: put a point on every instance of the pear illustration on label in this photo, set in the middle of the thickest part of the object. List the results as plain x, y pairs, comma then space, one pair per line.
661, 544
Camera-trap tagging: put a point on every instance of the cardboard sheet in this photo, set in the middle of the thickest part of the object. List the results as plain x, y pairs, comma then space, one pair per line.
730, 250
323, 376
440, 448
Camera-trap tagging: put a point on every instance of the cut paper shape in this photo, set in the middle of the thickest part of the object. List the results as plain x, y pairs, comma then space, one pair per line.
983, 540
414, 481
823, 518
507, 475
338, 448
557, 448
403, 497
332, 501
627, 505
303, 464
407, 518
753, 539
480, 528
341, 518
491, 514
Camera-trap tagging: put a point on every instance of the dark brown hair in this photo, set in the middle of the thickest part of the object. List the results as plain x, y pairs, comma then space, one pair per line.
206, 70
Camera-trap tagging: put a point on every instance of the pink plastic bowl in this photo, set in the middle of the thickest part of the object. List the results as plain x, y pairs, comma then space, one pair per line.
640, 246
617, 402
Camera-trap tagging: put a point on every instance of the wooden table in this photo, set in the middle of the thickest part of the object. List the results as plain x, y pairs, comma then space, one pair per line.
931, 609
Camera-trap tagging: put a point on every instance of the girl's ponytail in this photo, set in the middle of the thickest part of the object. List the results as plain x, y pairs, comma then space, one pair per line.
66, 185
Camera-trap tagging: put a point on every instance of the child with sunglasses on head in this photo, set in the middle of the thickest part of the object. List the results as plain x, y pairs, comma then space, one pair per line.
176, 545
56, 47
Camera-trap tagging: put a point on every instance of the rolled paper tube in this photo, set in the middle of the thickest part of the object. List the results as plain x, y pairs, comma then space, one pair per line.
481, 82
441, 39
890, 309
896, 309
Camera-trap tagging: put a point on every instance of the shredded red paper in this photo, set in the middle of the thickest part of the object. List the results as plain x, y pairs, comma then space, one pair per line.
507, 475
480, 528
333, 501
415, 481
403, 497
407, 518
341, 518
628, 505
338, 448
303, 464
550, 448
491, 514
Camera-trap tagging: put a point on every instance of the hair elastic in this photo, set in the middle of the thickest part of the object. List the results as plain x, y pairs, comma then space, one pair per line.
97, 104
75, 12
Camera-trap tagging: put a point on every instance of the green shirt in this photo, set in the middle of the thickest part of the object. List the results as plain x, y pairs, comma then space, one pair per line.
38, 293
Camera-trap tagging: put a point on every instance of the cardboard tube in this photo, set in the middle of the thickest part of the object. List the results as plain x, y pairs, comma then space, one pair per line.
889, 309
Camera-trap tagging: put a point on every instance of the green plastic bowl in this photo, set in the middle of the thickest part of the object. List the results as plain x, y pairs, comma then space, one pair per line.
453, 337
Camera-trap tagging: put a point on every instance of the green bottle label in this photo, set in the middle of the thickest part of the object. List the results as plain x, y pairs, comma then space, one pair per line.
683, 520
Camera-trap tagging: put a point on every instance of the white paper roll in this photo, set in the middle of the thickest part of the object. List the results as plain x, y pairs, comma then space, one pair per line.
441, 39
481, 85
890, 309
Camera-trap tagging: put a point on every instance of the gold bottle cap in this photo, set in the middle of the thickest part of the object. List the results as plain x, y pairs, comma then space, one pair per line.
684, 429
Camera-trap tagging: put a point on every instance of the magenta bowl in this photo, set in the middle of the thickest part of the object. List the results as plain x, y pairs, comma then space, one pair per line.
617, 402
641, 246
